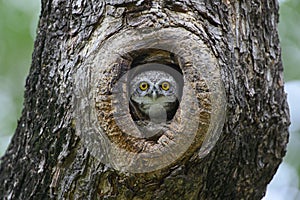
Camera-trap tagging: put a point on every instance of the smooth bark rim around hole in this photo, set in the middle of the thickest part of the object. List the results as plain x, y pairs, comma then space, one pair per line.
200, 116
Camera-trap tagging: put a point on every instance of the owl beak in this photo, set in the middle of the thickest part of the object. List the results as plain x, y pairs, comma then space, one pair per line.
154, 94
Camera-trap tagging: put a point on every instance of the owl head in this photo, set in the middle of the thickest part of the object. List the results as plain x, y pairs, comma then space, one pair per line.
154, 94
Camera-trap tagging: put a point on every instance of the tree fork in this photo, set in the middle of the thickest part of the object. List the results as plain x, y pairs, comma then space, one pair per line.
229, 55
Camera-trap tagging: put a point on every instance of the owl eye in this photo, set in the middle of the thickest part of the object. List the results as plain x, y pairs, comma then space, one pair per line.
165, 85
144, 86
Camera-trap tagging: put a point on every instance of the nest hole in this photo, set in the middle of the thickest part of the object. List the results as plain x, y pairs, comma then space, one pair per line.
161, 62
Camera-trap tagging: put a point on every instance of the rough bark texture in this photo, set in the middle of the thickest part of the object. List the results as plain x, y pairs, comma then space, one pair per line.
47, 160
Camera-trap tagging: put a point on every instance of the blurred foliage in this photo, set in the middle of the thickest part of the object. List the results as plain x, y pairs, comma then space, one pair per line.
18, 22
289, 32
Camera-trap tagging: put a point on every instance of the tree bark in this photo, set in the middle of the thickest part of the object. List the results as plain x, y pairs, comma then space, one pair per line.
229, 55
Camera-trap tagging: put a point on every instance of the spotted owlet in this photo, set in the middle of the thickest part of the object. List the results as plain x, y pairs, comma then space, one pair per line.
154, 96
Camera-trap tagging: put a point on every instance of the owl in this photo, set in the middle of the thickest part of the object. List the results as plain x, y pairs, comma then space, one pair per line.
154, 96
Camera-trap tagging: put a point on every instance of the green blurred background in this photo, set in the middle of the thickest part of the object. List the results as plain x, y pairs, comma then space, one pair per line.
18, 23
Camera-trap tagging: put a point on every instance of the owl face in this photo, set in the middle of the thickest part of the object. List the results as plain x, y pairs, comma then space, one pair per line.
154, 94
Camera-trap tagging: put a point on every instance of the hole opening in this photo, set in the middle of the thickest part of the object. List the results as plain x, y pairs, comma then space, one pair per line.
154, 105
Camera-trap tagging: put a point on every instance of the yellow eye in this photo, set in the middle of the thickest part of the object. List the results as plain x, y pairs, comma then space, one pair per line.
165, 85
144, 86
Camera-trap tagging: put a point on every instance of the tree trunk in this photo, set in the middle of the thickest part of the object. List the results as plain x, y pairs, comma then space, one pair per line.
77, 138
